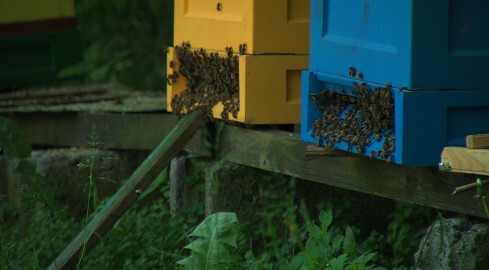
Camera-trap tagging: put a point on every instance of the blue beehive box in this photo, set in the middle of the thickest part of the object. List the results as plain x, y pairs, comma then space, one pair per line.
425, 121
439, 50
412, 43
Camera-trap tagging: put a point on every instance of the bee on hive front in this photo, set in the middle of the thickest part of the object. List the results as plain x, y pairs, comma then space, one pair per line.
229, 51
352, 71
242, 48
171, 79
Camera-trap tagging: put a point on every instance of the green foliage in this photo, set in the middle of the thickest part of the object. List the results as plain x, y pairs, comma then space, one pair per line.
98, 65
124, 42
44, 239
214, 235
151, 237
13, 141
406, 226
39, 191
17, 150
146, 237
327, 248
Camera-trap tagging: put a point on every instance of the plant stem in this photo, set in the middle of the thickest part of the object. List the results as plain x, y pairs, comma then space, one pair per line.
469, 186
90, 177
485, 205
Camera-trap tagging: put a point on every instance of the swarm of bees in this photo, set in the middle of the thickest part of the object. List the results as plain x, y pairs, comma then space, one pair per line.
210, 79
356, 118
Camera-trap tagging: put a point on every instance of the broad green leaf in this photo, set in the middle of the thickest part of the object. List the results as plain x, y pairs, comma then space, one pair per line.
220, 227
99, 73
75, 70
206, 246
338, 263
337, 241
314, 231
349, 244
208, 253
312, 248
92, 53
326, 219
193, 263
364, 259
214, 236
157, 183
298, 262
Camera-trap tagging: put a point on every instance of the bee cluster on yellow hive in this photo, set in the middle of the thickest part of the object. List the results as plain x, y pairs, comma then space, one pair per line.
356, 118
211, 79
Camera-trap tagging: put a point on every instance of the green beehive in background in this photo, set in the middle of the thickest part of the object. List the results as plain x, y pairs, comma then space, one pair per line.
37, 40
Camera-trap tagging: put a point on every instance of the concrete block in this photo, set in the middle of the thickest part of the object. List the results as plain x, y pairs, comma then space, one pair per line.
454, 243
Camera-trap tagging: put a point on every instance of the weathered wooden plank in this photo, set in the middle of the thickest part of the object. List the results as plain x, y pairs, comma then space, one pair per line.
269, 150
117, 131
129, 192
477, 141
465, 160
284, 152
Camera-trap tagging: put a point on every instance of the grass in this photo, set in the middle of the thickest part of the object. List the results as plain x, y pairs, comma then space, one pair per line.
148, 236
145, 238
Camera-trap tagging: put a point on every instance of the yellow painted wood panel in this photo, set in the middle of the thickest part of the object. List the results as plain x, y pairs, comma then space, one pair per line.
270, 88
271, 26
15, 11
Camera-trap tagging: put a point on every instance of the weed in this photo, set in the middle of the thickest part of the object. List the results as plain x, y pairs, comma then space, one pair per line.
406, 226
43, 240
95, 145
17, 150
481, 193
213, 236
215, 241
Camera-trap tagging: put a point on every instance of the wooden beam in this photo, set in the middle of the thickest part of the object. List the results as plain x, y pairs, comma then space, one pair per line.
118, 131
268, 150
465, 160
129, 192
284, 152
478, 141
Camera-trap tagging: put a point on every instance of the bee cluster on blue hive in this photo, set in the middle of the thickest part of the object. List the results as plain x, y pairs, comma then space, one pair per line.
429, 61
357, 118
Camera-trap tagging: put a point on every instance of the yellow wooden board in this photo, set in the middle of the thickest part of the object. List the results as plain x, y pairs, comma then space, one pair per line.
269, 88
15, 11
477, 141
271, 26
465, 160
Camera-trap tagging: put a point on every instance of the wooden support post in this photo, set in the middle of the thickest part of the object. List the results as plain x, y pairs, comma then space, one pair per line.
177, 177
129, 192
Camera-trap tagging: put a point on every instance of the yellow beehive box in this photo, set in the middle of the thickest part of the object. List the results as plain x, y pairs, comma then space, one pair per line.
16, 11
269, 88
266, 26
